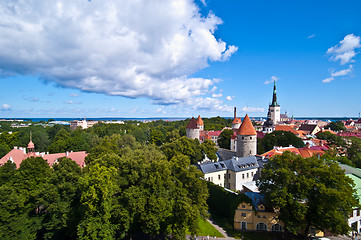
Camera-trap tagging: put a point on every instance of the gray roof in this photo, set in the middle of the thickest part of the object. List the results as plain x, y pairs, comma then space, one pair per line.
236, 164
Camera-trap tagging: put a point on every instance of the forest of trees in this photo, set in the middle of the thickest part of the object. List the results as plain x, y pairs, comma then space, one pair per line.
139, 181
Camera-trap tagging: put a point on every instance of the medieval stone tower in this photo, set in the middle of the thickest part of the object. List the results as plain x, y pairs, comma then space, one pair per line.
194, 128
246, 139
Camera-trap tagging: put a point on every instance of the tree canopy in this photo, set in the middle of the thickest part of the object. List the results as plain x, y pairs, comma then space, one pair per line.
278, 138
224, 139
309, 192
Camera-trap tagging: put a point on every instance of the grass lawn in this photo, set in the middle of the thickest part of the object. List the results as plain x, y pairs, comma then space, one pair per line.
205, 229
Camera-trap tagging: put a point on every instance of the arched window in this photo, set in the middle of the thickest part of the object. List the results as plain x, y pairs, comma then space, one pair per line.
261, 226
276, 228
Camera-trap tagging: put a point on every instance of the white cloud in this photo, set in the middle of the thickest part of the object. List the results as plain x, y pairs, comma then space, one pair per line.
5, 107
74, 95
214, 95
127, 48
311, 36
229, 98
334, 74
72, 102
345, 50
204, 2
327, 80
209, 103
343, 72
252, 109
273, 79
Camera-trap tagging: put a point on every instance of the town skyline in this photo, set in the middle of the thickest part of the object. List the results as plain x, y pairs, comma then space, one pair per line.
181, 59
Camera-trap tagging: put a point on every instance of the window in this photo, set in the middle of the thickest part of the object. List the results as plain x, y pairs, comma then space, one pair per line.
252, 174
261, 226
276, 228
229, 176
242, 138
243, 214
244, 225
264, 216
250, 138
243, 206
242, 175
258, 216
247, 175
358, 212
219, 177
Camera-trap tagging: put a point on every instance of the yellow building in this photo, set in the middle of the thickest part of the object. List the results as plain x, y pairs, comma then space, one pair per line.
256, 217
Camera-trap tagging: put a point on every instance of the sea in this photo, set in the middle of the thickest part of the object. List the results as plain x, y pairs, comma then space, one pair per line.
330, 119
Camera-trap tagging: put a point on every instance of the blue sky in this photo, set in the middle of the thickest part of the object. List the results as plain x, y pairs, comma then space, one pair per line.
179, 58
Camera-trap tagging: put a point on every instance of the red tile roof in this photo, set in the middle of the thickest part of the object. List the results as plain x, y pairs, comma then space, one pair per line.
246, 127
192, 124
18, 155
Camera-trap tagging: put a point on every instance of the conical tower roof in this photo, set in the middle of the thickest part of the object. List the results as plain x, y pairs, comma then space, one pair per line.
246, 127
192, 124
199, 120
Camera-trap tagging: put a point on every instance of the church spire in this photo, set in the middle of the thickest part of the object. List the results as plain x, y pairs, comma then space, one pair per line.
274, 99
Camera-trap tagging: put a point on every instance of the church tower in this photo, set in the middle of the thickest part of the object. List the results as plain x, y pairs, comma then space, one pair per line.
274, 110
246, 139
31, 146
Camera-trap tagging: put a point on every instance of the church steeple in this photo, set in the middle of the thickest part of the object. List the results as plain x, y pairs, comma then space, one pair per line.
31, 146
274, 99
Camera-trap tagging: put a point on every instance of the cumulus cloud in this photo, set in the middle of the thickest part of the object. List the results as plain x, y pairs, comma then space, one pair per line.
209, 103
252, 109
214, 95
5, 107
345, 50
273, 79
229, 98
126, 48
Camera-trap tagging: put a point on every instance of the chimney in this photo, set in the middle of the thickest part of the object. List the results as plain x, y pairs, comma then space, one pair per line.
235, 113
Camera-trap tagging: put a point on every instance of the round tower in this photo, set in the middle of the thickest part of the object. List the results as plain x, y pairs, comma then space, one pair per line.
192, 129
246, 139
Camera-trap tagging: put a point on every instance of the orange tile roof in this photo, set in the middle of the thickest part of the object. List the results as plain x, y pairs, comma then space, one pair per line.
236, 120
304, 152
199, 120
286, 128
246, 127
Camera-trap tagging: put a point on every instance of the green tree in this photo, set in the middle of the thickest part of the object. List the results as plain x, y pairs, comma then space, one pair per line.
184, 146
156, 137
278, 138
332, 139
336, 126
209, 148
224, 139
62, 202
309, 192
